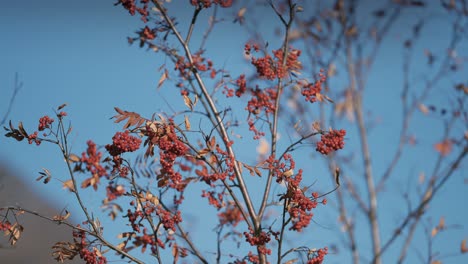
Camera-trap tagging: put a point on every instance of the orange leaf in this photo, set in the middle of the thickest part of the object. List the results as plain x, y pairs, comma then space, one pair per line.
444, 147
423, 108
463, 247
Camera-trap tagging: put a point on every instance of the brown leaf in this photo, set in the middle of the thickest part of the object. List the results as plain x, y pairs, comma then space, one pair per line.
292, 261
423, 109
163, 78
188, 102
62, 217
134, 119
21, 129
61, 106
337, 176
73, 158
249, 168
187, 123
316, 126
69, 185
463, 247
14, 232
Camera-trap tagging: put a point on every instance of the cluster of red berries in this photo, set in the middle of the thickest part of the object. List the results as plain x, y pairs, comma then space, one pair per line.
300, 206
318, 256
311, 91
262, 100
123, 142
147, 34
145, 240
232, 215
132, 8
214, 199
292, 62
210, 178
208, 3
5, 226
89, 256
331, 141
168, 219
259, 239
45, 122
133, 218
257, 133
33, 138
92, 159
114, 191
272, 67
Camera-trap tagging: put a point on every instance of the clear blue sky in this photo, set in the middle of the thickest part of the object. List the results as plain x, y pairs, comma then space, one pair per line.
76, 52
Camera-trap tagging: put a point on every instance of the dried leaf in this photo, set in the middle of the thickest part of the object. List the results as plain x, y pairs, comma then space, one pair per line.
249, 168
163, 78
134, 119
73, 158
423, 109
463, 247
62, 217
188, 102
14, 232
444, 147
61, 106
257, 171
187, 123
316, 126
69, 185
288, 173
337, 176
292, 261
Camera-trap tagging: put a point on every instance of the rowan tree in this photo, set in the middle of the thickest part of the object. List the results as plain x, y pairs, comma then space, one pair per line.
305, 74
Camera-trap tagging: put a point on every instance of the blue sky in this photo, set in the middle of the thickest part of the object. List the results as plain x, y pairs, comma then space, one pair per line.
76, 52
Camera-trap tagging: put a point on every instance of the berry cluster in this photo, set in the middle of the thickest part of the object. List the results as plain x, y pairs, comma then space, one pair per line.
90, 256
318, 256
208, 3
134, 219
170, 147
299, 204
310, 91
168, 219
259, 239
5, 226
272, 67
292, 62
123, 142
92, 161
114, 191
45, 122
262, 100
333, 140
231, 215
132, 8
215, 199
33, 138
